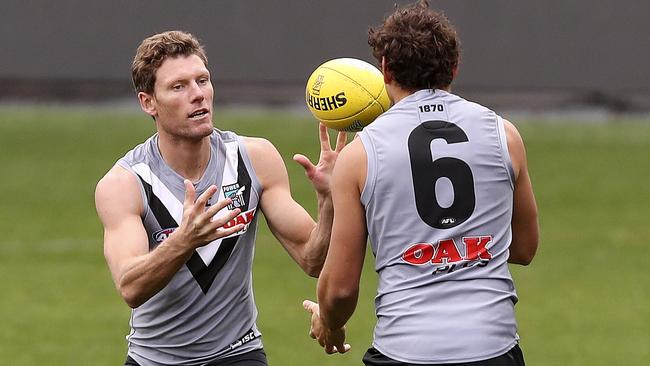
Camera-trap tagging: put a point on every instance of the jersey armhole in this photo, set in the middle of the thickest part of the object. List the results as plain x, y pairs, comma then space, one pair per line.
143, 194
371, 173
505, 153
255, 183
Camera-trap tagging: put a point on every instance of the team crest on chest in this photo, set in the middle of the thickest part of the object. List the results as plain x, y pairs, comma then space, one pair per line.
236, 193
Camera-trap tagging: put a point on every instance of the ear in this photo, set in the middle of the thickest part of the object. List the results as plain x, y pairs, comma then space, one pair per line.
147, 103
454, 72
388, 77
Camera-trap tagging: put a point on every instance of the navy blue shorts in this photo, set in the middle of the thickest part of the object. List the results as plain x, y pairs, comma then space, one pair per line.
252, 358
514, 357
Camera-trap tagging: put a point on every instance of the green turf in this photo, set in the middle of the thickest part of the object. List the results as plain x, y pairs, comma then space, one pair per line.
583, 301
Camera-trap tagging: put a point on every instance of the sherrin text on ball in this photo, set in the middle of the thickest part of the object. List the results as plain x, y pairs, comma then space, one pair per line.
346, 94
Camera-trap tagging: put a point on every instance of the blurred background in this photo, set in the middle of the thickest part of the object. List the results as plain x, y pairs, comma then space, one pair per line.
524, 55
573, 76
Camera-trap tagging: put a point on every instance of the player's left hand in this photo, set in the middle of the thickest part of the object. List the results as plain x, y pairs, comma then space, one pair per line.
331, 340
320, 174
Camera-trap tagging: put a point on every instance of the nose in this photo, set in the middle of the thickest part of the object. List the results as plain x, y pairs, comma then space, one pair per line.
197, 93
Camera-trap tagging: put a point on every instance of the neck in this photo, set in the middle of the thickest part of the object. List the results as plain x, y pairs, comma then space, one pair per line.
398, 93
188, 158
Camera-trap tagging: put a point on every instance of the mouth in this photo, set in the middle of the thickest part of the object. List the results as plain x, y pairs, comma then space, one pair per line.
199, 113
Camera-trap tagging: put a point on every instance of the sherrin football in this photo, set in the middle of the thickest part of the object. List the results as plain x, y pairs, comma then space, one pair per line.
346, 94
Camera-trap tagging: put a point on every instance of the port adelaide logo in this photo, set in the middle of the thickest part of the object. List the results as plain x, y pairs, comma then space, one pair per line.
236, 194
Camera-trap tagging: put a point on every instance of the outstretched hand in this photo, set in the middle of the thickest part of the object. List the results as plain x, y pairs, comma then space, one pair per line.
199, 225
320, 174
331, 340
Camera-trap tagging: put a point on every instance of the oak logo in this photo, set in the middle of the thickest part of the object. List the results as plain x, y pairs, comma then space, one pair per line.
447, 256
244, 218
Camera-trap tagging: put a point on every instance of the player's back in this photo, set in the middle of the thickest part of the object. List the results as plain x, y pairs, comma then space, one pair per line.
438, 200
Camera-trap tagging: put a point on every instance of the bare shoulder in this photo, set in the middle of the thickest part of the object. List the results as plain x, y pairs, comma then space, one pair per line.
352, 163
117, 192
115, 180
266, 159
258, 147
515, 147
511, 132
354, 152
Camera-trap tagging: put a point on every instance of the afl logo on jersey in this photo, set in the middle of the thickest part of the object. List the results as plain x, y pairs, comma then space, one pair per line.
163, 234
448, 221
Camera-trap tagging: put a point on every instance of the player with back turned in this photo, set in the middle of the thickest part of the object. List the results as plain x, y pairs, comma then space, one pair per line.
440, 186
180, 213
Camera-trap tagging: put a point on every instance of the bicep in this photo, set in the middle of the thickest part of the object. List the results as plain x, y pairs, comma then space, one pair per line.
287, 220
525, 228
524, 199
118, 204
515, 148
347, 246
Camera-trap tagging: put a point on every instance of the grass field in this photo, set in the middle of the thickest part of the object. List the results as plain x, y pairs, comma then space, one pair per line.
584, 300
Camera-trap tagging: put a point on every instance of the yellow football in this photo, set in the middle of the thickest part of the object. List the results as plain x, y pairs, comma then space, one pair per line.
346, 94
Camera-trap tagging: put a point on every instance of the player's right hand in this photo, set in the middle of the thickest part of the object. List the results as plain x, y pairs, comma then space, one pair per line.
321, 173
333, 341
199, 226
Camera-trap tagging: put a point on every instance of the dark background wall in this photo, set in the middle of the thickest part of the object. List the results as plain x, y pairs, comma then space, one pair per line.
581, 51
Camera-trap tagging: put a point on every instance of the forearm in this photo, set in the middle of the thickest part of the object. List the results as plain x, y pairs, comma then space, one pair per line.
337, 304
315, 249
146, 275
525, 224
523, 251
525, 234
525, 238
337, 319
519, 258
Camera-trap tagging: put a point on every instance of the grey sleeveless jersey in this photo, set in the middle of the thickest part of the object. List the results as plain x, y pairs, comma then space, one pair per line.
207, 310
438, 202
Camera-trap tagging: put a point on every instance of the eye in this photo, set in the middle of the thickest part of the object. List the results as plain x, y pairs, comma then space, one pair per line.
177, 86
203, 81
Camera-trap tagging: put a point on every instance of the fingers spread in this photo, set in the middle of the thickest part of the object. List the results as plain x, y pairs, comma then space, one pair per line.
220, 205
205, 196
340, 141
190, 193
222, 233
324, 138
304, 161
218, 223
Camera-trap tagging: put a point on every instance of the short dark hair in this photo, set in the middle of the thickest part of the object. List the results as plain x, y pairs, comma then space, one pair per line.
420, 45
153, 51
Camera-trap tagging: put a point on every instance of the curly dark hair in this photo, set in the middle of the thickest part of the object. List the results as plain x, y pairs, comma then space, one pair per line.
420, 46
155, 49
